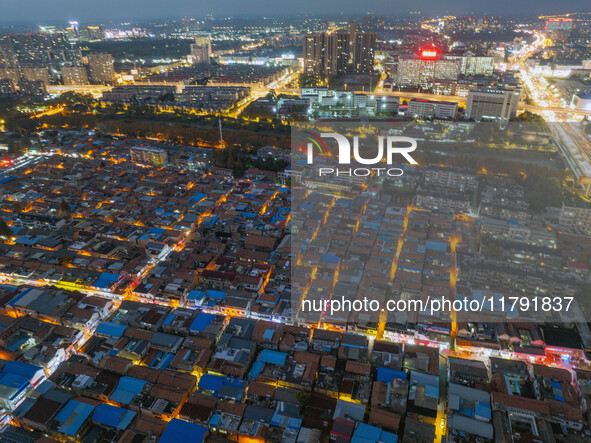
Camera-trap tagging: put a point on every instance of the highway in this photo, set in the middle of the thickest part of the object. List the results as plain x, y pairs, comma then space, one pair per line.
568, 133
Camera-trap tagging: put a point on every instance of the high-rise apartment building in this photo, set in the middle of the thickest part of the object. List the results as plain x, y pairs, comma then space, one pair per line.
201, 50
101, 68
420, 72
74, 75
339, 53
493, 104
149, 156
36, 74
554, 24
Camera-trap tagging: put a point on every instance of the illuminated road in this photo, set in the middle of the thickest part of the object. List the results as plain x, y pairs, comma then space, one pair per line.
455, 99
568, 134
50, 111
95, 90
261, 92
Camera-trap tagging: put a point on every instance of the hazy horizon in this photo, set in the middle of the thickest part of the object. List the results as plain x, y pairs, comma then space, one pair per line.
35, 12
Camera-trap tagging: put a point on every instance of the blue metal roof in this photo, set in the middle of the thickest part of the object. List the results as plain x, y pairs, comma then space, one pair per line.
436, 245
20, 368
386, 375
169, 320
106, 280
214, 383
72, 417
19, 296
195, 294
201, 321
14, 381
199, 196
370, 434
211, 382
127, 389
112, 416
256, 369
273, 357
180, 430
111, 329
329, 258
15, 345
218, 295
482, 409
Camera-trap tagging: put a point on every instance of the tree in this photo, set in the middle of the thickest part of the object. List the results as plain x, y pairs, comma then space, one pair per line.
5, 231
542, 192
493, 251
238, 170
64, 208
303, 398
231, 162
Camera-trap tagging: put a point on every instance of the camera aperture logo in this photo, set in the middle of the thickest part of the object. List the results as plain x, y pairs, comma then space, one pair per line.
389, 148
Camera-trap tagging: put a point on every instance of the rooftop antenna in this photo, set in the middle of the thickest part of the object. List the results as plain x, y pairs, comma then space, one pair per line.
221, 136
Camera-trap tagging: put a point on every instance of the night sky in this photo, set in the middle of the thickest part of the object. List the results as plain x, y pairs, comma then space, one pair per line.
59, 11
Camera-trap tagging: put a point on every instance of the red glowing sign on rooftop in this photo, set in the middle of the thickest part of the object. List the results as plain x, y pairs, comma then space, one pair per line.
429, 54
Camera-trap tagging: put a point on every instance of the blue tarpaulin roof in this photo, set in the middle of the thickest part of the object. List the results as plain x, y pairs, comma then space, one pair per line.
180, 430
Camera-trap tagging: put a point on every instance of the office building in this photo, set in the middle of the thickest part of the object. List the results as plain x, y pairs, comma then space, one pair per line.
149, 156
101, 68
339, 53
492, 104
430, 108
74, 75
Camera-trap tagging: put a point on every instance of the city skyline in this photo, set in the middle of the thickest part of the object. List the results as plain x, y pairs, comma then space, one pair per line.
39, 11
